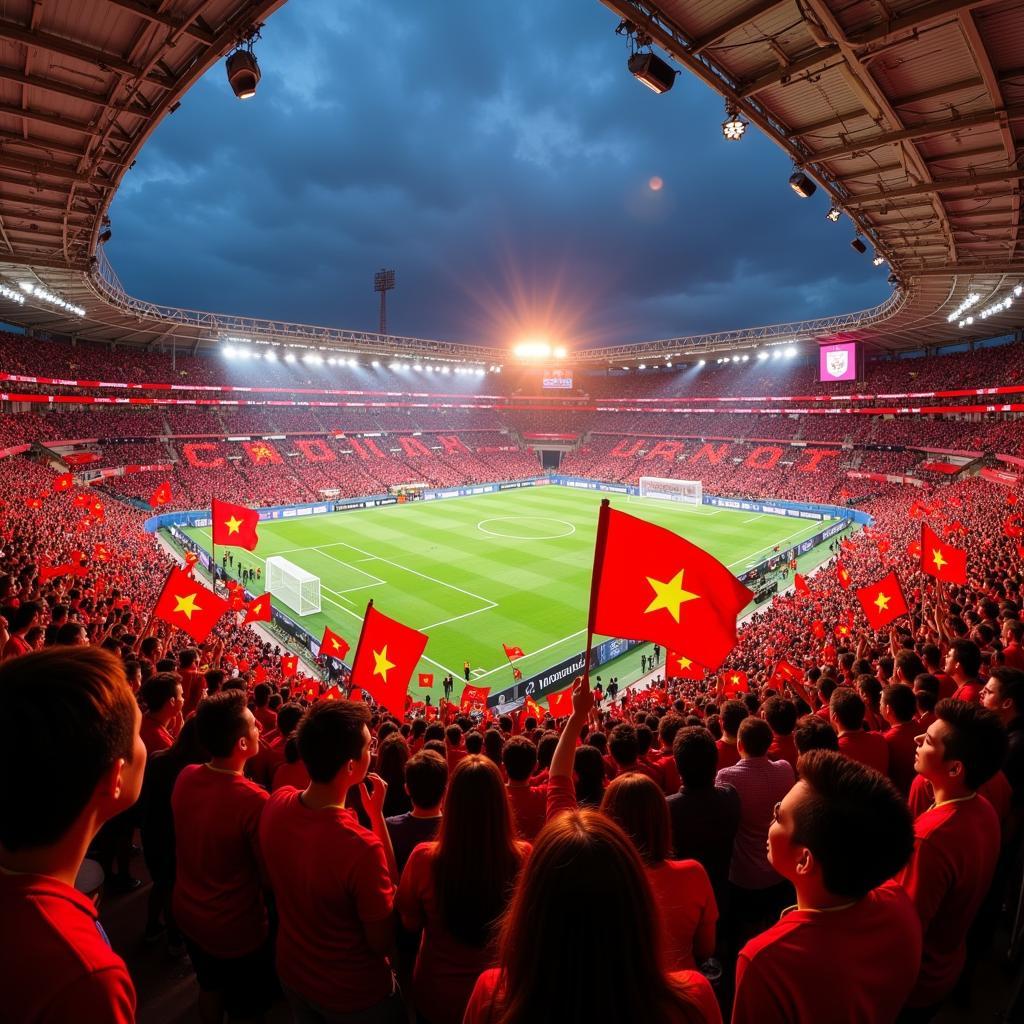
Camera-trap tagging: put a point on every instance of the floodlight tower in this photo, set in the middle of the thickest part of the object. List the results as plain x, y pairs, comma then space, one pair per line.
383, 282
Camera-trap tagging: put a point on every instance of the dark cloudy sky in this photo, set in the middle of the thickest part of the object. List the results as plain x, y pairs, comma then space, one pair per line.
496, 155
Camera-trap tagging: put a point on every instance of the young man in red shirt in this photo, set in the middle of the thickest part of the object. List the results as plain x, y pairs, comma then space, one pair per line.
846, 712
850, 948
528, 803
71, 759
334, 881
963, 663
957, 843
218, 897
898, 708
733, 713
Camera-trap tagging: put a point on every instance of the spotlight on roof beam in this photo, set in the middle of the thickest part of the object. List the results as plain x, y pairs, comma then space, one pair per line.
790, 352
834, 213
802, 185
733, 126
858, 245
289, 357
700, 362
376, 362
762, 354
877, 260
243, 71
417, 367
229, 351
270, 355
104, 236
650, 69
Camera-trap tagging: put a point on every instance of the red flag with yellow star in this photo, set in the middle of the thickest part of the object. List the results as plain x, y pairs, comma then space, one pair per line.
259, 610
386, 658
650, 584
426, 679
844, 575
941, 560
333, 644
334, 693
679, 666
234, 525
188, 605
734, 682
161, 496
289, 665
64, 482
560, 704
883, 602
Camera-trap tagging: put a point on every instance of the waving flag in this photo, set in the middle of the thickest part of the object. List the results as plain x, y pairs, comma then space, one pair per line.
234, 525
678, 666
259, 610
474, 696
941, 560
386, 658
426, 679
801, 585
513, 652
64, 482
843, 575
734, 682
651, 584
333, 644
883, 602
161, 496
289, 665
560, 704
189, 606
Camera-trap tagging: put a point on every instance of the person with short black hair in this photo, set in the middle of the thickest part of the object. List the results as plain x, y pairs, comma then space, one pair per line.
218, 896
780, 714
335, 908
71, 758
426, 779
846, 710
813, 732
849, 949
957, 842
898, 709
733, 713
528, 802
963, 663
1003, 694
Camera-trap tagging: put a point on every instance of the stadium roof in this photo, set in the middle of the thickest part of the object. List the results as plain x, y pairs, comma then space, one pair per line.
908, 114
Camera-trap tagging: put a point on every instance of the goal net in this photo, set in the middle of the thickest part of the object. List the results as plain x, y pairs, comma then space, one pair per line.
687, 492
298, 589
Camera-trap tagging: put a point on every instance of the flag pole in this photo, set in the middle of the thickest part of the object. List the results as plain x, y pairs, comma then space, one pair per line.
595, 582
213, 548
152, 611
359, 644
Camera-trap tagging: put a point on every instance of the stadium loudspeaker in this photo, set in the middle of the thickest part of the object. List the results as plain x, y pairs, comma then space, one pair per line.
859, 245
650, 69
243, 74
802, 185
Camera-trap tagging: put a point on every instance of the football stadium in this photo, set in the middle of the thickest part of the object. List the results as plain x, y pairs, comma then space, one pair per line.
512, 513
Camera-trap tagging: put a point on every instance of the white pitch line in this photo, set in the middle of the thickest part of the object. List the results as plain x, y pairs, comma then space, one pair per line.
754, 519
377, 581
752, 558
540, 650
455, 618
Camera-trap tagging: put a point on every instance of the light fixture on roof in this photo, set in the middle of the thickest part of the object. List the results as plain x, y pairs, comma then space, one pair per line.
733, 126
877, 260
858, 245
802, 185
790, 352
242, 69
376, 362
834, 213
762, 354
652, 71
270, 355
700, 362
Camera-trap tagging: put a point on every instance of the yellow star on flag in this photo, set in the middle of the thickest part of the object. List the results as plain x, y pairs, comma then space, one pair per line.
735, 679
187, 605
938, 559
669, 595
882, 602
336, 645
381, 665
685, 663
233, 524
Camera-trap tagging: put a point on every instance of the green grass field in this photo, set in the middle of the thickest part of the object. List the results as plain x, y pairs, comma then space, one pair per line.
510, 567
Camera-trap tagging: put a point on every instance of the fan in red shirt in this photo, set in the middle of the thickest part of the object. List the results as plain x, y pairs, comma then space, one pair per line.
69, 741
850, 948
846, 710
733, 713
780, 713
898, 708
333, 880
161, 696
218, 899
456, 888
528, 802
192, 680
963, 663
957, 843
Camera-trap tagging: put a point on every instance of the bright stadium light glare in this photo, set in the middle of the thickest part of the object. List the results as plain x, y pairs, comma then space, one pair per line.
375, 363
417, 367
270, 355
777, 354
735, 359
445, 369
352, 363
229, 351
289, 357
669, 365
532, 349
558, 352
790, 352
834, 213
332, 361
762, 354
700, 362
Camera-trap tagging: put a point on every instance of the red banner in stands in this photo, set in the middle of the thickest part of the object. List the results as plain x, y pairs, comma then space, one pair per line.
998, 476
885, 478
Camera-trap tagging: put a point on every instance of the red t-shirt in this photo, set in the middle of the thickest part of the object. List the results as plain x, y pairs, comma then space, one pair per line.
193, 686
446, 969
902, 750
997, 791
482, 1007
728, 754
1013, 656
15, 646
688, 911
266, 718
57, 964
218, 894
329, 875
261, 767
969, 692
154, 736
947, 685
947, 877
862, 959
666, 765
783, 748
286, 774
529, 805
866, 747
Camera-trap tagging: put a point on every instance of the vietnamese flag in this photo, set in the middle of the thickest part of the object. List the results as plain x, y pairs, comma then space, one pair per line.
260, 674
162, 495
883, 602
914, 549
34, 503
844, 575
651, 584
96, 508
1013, 526
943, 561
818, 629
1012, 499
472, 695
289, 665
801, 585
516, 675
234, 525
843, 630
64, 482
956, 527
513, 652
530, 709
333, 644
678, 666
426, 679
785, 673
560, 704
100, 553
735, 682
386, 657
81, 500
189, 606
237, 601
259, 610
334, 693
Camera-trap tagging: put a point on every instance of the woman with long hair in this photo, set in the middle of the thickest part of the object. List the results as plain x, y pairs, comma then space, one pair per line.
686, 908
584, 890
456, 889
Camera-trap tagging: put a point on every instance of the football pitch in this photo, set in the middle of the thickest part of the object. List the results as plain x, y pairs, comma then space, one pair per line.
510, 567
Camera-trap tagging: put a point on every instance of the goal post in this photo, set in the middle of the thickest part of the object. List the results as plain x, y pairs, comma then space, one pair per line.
294, 586
686, 492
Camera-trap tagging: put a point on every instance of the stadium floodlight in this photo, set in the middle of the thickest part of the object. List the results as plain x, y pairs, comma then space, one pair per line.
229, 351
669, 365
858, 245
270, 355
10, 293
39, 292
733, 127
642, 366
652, 71
878, 259
559, 352
790, 352
352, 362
445, 369
533, 349
735, 359
834, 213
417, 367
777, 354
242, 69
332, 361
762, 354
289, 357
375, 363
700, 362
802, 185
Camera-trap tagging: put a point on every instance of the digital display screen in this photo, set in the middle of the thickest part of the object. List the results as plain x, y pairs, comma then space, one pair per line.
838, 362
557, 378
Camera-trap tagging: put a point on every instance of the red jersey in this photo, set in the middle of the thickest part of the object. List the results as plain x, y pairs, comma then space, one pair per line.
969, 692
666, 765
218, 895
15, 646
489, 986
902, 751
529, 806
57, 964
154, 736
329, 875
866, 747
949, 873
286, 774
266, 718
790, 973
687, 910
947, 685
997, 791
193, 686
446, 969
783, 748
728, 754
